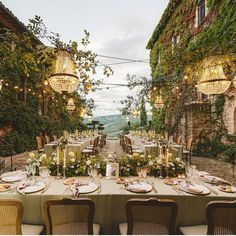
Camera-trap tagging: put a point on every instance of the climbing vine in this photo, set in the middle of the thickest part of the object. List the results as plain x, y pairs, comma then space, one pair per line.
216, 35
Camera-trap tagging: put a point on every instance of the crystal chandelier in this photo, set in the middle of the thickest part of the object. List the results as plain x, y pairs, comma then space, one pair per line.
158, 102
64, 78
136, 113
213, 80
70, 105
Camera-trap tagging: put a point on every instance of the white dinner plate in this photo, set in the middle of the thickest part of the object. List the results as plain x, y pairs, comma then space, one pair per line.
91, 187
13, 176
38, 186
139, 187
204, 189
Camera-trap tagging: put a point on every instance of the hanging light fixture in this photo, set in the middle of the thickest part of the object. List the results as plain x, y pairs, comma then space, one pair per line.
0, 85
158, 102
70, 105
136, 113
83, 112
64, 78
212, 77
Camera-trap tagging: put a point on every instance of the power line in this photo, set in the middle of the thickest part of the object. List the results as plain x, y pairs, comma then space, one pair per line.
124, 62
124, 59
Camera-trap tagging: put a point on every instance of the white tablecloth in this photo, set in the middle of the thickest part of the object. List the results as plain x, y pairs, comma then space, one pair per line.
152, 149
110, 204
76, 147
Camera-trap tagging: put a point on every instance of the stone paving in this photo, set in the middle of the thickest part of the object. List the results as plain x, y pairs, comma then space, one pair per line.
213, 166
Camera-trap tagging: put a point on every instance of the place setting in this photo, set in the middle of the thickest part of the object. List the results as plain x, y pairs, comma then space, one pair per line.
13, 176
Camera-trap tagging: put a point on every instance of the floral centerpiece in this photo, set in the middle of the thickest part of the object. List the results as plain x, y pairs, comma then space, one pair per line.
77, 165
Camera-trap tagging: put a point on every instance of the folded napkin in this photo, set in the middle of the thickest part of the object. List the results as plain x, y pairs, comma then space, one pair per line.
191, 187
75, 191
214, 179
23, 186
77, 183
136, 188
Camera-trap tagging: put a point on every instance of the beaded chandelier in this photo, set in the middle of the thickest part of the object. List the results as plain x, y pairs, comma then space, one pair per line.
64, 78
212, 77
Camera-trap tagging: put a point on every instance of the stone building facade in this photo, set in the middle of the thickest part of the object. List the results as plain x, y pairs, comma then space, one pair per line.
188, 32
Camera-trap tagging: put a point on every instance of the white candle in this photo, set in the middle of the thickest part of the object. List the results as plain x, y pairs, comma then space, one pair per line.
167, 156
64, 158
160, 154
58, 156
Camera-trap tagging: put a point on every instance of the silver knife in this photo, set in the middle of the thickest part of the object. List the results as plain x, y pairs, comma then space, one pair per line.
154, 188
45, 189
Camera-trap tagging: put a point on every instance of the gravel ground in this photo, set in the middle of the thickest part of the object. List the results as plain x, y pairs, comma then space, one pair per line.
213, 166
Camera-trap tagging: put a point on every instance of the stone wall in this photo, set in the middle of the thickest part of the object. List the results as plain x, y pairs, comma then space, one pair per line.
229, 115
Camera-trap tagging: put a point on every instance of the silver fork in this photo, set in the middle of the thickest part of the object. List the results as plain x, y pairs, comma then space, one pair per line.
46, 188
177, 190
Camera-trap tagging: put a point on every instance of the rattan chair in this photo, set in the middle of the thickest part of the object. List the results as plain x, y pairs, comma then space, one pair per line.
47, 138
71, 217
221, 217
39, 144
11, 212
179, 140
188, 151
91, 150
149, 216
2, 164
54, 137
220, 220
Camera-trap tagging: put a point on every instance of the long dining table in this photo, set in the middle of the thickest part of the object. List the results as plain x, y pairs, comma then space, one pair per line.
110, 202
150, 148
76, 146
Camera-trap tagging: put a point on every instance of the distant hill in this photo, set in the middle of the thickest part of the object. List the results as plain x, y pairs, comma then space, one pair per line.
113, 123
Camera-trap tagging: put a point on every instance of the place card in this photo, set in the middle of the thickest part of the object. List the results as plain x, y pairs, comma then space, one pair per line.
112, 170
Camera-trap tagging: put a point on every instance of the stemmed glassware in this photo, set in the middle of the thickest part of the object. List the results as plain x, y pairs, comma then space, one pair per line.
139, 172
92, 171
33, 170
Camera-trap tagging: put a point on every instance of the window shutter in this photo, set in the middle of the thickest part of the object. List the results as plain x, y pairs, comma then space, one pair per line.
196, 18
206, 7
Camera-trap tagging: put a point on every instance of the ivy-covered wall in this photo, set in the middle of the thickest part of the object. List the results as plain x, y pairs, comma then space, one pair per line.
216, 35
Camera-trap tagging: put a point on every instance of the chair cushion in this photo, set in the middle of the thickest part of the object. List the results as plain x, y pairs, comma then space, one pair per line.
123, 227
194, 230
87, 151
186, 152
96, 229
141, 228
137, 151
31, 229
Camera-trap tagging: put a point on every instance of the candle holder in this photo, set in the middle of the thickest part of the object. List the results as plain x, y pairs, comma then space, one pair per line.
58, 176
64, 172
161, 177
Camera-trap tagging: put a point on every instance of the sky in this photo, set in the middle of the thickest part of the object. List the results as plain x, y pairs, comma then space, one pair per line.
118, 28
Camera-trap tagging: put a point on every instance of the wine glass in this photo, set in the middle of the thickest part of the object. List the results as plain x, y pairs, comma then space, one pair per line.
144, 173
33, 170
92, 171
44, 172
28, 170
139, 172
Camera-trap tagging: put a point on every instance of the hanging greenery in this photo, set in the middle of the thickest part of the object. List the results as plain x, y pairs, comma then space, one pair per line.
215, 36
29, 107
